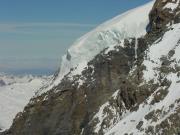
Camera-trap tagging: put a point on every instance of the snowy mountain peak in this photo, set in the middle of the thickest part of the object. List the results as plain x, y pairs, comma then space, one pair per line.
111, 33
130, 88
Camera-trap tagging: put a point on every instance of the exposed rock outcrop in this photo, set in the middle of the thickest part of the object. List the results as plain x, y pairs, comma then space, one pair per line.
164, 12
2, 83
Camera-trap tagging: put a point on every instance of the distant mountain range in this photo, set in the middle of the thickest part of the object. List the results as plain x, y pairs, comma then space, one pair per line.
15, 93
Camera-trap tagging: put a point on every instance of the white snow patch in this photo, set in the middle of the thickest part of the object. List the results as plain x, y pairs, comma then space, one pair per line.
159, 49
115, 94
101, 115
172, 5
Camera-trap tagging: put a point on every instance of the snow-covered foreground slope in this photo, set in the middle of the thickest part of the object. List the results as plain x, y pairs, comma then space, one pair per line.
15, 93
169, 105
113, 32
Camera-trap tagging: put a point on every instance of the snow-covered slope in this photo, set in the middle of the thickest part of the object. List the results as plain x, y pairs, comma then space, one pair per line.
130, 24
170, 104
131, 88
15, 94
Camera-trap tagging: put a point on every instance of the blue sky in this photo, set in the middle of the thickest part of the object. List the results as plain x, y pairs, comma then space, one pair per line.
34, 34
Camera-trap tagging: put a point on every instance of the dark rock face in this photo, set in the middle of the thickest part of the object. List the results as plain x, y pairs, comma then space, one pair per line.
68, 56
70, 108
160, 16
2, 83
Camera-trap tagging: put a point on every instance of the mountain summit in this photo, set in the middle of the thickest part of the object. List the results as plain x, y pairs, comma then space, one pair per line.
123, 78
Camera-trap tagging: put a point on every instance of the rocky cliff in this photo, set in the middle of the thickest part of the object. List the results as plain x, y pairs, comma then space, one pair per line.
131, 88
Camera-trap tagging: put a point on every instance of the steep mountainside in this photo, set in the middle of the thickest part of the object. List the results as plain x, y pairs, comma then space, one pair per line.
123, 78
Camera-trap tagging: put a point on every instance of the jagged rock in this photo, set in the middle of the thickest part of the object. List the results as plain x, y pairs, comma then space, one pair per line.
2, 83
161, 15
139, 125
